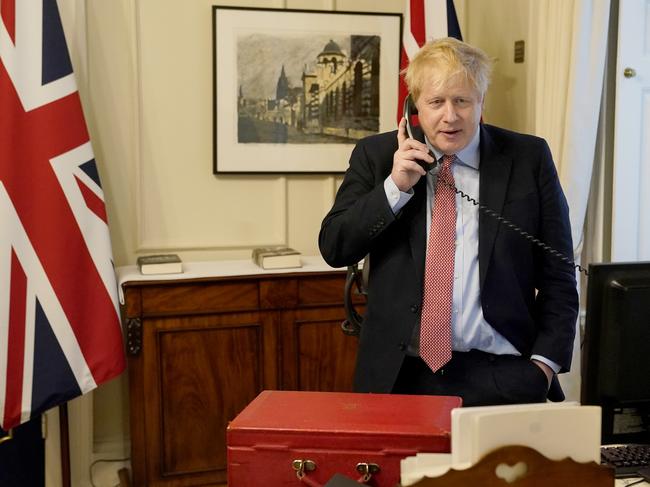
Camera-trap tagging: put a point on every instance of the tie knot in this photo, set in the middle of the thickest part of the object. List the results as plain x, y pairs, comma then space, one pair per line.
447, 160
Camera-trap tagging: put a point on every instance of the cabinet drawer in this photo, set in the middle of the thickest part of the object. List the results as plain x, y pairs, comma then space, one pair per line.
323, 290
200, 298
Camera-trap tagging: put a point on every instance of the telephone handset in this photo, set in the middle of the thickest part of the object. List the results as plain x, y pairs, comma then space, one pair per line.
409, 110
352, 325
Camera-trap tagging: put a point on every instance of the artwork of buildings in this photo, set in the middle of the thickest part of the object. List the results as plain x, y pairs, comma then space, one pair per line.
335, 101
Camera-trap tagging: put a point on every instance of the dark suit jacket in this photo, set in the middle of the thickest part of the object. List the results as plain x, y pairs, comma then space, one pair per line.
527, 294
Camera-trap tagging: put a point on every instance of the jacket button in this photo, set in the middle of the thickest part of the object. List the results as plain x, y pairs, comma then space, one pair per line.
414, 308
402, 346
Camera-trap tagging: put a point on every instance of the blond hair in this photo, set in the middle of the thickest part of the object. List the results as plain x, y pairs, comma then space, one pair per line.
447, 58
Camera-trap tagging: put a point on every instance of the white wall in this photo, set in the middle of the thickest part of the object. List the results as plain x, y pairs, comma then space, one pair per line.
494, 26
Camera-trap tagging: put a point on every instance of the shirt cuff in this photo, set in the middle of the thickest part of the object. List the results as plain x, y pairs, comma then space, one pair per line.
556, 368
396, 198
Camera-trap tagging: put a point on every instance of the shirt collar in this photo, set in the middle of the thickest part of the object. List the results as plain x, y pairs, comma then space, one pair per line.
470, 155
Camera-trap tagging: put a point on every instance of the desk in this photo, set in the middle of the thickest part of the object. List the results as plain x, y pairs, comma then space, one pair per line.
202, 344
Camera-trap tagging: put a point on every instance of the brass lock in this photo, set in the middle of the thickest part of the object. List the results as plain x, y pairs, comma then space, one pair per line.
302, 466
367, 470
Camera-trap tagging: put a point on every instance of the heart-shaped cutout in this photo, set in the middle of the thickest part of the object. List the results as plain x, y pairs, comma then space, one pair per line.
510, 473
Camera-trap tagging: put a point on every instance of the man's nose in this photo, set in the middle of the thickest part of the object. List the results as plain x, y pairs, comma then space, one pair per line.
450, 112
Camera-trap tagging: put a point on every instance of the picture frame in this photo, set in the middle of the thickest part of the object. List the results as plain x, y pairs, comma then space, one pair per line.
293, 90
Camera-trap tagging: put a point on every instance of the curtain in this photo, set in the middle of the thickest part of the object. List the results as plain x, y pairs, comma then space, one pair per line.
570, 42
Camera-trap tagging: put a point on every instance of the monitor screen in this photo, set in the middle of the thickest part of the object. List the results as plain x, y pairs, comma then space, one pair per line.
616, 350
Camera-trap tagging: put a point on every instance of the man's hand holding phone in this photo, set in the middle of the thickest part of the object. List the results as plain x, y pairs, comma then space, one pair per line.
408, 159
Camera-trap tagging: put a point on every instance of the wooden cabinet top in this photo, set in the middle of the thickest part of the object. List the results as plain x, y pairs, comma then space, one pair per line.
229, 286
130, 276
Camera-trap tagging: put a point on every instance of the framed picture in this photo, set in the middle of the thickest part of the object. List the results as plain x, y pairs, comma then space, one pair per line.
295, 89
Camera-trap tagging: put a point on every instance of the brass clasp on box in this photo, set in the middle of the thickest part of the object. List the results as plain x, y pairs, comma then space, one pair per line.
367, 470
302, 466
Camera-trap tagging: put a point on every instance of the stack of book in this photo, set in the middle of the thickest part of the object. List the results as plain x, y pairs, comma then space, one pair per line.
160, 264
276, 257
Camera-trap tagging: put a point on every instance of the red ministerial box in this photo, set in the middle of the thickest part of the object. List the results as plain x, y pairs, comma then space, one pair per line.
333, 432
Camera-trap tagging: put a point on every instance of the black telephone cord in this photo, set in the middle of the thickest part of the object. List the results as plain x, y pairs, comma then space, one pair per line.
352, 324
517, 229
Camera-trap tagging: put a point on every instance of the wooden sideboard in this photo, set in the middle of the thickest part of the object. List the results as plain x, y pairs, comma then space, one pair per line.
201, 349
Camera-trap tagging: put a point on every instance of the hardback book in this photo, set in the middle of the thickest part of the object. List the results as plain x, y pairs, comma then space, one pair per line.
160, 264
276, 257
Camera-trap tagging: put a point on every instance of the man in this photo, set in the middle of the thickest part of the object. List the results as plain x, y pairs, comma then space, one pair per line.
458, 302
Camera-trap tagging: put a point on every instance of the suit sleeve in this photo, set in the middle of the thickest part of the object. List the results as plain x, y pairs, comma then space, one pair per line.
361, 211
556, 303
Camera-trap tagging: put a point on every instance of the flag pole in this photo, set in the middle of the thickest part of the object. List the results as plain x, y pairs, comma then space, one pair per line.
65, 444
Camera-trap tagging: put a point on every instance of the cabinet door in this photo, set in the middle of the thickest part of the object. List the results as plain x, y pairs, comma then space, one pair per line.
317, 355
199, 373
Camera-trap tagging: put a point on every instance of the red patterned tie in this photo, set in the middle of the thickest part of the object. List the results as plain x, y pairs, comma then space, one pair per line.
435, 326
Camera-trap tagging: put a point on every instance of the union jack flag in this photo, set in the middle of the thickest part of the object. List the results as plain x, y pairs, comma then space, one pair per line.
424, 20
60, 333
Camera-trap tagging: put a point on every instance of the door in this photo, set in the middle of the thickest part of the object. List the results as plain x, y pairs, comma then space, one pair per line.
199, 373
631, 181
317, 355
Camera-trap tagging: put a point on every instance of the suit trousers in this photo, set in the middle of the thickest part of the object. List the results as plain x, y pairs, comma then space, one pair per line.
480, 378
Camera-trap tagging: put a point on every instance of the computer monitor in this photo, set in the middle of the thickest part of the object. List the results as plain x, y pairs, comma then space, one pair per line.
616, 350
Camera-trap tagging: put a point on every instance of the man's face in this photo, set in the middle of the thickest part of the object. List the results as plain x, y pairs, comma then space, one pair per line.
450, 113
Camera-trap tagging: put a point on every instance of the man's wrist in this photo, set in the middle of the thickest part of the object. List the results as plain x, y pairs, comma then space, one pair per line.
554, 366
546, 369
396, 198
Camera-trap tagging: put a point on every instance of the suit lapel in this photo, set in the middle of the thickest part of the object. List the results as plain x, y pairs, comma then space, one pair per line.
416, 211
494, 175
418, 227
